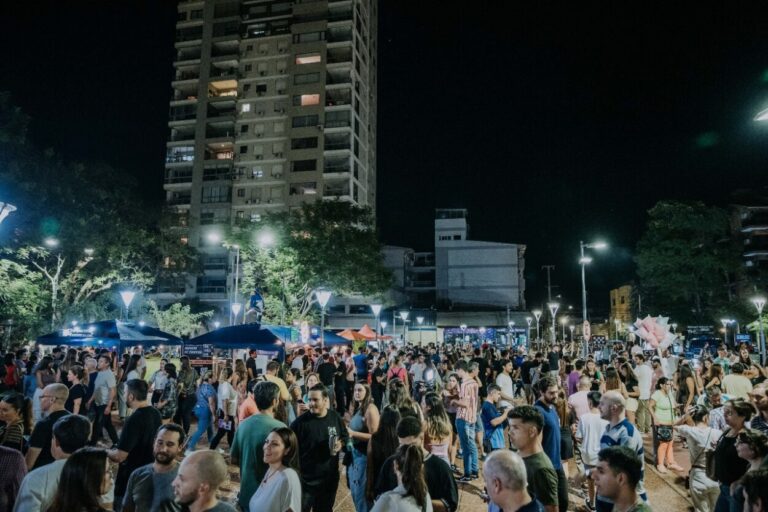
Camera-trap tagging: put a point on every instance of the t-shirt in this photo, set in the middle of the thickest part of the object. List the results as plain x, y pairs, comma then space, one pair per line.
105, 380
284, 395
281, 492
326, 372
204, 392
227, 392
553, 358
221, 507
469, 393
137, 439
551, 435
361, 365
665, 407
504, 381
533, 506
417, 369
494, 434
248, 449
376, 388
525, 370
573, 381
590, 431
75, 392
313, 433
41, 437
736, 385
148, 491
440, 481
580, 403
542, 478
626, 434
644, 376
247, 409
250, 364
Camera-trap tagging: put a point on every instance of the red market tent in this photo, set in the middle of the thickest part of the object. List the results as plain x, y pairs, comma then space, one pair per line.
367, 332
351, 335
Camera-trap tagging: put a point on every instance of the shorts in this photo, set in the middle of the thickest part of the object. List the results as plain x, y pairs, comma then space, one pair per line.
632, 404
479, 424
452, 416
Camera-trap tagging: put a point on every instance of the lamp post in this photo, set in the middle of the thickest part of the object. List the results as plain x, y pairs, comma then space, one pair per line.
235, 309
528, 320
537, 314
127, 296
376, 308
419, 320
216, 324
384, 325
323, 296
571, 327
759, 303
404, 318
584, 260
463, 328
553, 309
511, 325
563, 322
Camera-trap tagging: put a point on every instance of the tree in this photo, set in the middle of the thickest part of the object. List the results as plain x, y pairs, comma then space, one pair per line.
686, 260
177, 319
325, 244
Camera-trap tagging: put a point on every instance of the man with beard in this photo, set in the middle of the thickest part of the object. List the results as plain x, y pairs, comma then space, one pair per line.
149, 487
321, 434
759, 398
548, 389
198, 479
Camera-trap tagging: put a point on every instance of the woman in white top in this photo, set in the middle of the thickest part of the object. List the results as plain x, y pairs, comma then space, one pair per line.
411, 494
694, 427
227, 411
280, 489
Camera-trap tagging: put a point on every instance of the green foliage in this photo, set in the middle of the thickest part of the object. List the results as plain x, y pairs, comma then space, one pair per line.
686, 260
326, 244
177, 319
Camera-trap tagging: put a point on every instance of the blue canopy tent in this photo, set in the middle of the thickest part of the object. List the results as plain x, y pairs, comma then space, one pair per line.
109, 334
247, 336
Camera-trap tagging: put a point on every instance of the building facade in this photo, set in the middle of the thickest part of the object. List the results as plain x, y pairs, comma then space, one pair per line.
749, 230
274, 104
621, 309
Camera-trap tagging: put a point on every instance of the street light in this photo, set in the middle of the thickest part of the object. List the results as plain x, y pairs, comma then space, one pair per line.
404, 318
235, 308
571, 327
463, 328
5, 210
216, 324
563, 322
51, 242
323, 296
420, 320
528, 320
759, 303
376, 308
127, 296
384, 325
537, 314
482, 334
553, 309
511, 325
584, 260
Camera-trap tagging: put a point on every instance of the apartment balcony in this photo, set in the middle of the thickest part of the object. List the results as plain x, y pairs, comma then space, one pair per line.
178, 176
341, 55
179, 200
332, 191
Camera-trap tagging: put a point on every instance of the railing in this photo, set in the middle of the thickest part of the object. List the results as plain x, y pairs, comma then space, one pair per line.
333, 146
178, 179
336, 168
175, 201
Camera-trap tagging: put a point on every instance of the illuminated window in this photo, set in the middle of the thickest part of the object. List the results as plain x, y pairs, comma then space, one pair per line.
308, 58
305, 100
245, 107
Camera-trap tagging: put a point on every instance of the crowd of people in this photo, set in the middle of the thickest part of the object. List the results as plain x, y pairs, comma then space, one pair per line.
406, 426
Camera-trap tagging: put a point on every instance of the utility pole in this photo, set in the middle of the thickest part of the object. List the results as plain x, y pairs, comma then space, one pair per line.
549, 269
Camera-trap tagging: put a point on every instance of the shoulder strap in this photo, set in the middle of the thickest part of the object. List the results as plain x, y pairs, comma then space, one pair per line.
703, 448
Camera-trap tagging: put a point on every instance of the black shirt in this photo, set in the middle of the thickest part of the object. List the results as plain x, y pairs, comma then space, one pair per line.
326, 371
250, 364
554, 360
41, 438
525, 370
313, 432
376, 388
75, 392
137, 438
437, 473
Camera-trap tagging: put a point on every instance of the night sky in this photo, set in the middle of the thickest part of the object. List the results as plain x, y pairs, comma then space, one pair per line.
549, 125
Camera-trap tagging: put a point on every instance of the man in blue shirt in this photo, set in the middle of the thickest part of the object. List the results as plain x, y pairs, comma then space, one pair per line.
493, 420
548, 389
361, 365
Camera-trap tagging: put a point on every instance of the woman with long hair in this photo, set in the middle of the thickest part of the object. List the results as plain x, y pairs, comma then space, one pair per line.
438, 434
169, 400
205, 410
364, 422
381, 446
130, 372
44, 375
399, 396
613, 382
310, 380
752, 371
686, 387
70, 360
566, 435
662, 407
241, 373
594, 374
411, 494
16, 415
449, 394
84, 478
280, 489
227, 410
729, 467
694, 427
187, 386
714, 376
398, 371
632, 386
78, 389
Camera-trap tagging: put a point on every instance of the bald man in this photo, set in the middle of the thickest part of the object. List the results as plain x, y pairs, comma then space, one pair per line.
52, 405
199, 477
507, 483
619, 432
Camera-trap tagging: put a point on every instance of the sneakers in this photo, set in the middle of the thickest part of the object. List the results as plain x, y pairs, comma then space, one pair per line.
465, 479
475, 476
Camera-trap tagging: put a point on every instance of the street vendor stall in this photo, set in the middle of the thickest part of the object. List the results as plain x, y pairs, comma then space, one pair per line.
239, 339
112, 334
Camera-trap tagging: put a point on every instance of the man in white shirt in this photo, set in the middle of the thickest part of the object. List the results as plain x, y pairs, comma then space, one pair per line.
579, 401
38, 489
504, 381
736, 384
588, 434
644, 375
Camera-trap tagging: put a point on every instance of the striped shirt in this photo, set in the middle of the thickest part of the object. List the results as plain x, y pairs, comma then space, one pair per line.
468, 392
626, 434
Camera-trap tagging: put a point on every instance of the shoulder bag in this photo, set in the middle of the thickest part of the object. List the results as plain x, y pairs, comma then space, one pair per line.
711, 467
664, 432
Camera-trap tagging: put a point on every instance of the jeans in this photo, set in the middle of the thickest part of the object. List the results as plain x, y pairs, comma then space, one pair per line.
203, 414
100, 421
726, 503
356, 478
468, 446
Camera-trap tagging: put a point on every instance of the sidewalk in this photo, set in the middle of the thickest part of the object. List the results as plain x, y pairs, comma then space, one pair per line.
674, 481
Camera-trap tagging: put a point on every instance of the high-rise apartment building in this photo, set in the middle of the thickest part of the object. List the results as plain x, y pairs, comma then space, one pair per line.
274, 104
